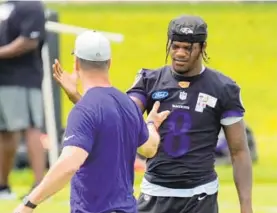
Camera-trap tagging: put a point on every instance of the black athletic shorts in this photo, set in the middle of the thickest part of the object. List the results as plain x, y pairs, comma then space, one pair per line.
202, 203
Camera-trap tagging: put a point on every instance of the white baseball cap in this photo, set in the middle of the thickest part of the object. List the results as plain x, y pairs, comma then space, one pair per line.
92, 46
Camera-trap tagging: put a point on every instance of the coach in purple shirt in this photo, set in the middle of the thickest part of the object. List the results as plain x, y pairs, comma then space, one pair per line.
104, 130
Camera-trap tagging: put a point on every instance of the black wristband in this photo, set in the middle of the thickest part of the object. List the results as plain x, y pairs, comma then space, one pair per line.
28, 203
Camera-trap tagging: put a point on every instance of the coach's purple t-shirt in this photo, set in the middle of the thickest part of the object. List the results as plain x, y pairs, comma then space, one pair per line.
109, 126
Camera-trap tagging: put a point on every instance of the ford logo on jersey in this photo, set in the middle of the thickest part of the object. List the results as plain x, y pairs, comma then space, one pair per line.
159, 95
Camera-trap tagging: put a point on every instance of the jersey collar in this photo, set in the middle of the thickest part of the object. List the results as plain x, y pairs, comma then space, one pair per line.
185, 78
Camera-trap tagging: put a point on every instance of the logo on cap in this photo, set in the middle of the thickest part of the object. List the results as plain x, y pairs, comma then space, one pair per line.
186, 30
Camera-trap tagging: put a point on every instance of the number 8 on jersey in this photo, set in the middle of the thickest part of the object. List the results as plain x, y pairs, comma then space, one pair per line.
176, 141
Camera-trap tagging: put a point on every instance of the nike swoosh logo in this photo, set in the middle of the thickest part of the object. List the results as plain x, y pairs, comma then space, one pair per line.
67, 138
201, 198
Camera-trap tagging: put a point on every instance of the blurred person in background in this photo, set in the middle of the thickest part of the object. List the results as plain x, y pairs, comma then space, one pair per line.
22, 34
222, 152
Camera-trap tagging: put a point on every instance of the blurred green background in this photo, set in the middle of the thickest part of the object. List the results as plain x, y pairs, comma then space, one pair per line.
242, 43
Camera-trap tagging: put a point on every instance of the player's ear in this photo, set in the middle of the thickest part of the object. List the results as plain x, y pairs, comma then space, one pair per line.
204, 46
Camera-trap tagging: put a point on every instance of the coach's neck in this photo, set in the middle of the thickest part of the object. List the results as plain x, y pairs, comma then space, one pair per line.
94, 78
93, 73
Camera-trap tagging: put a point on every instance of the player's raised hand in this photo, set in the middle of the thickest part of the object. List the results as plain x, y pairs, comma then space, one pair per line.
157, 117
67, 81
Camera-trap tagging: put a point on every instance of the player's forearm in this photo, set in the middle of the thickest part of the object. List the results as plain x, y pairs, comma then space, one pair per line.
17, 47
242, 167
150, 147
56, 179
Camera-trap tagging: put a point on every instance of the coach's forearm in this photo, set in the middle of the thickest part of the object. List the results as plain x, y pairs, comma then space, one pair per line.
150, 147
74, 98
56, 179
242, 168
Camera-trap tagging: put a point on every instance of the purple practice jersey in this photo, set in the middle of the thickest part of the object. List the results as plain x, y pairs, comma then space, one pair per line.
108, 125
199, 105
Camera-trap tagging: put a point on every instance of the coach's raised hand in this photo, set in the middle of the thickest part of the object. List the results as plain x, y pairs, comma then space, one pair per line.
67, 81
157, 117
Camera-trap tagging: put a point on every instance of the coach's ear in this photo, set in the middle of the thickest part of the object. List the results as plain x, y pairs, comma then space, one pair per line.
76, 66
109, 63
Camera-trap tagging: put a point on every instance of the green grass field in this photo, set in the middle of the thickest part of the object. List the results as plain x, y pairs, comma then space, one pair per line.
241, 43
